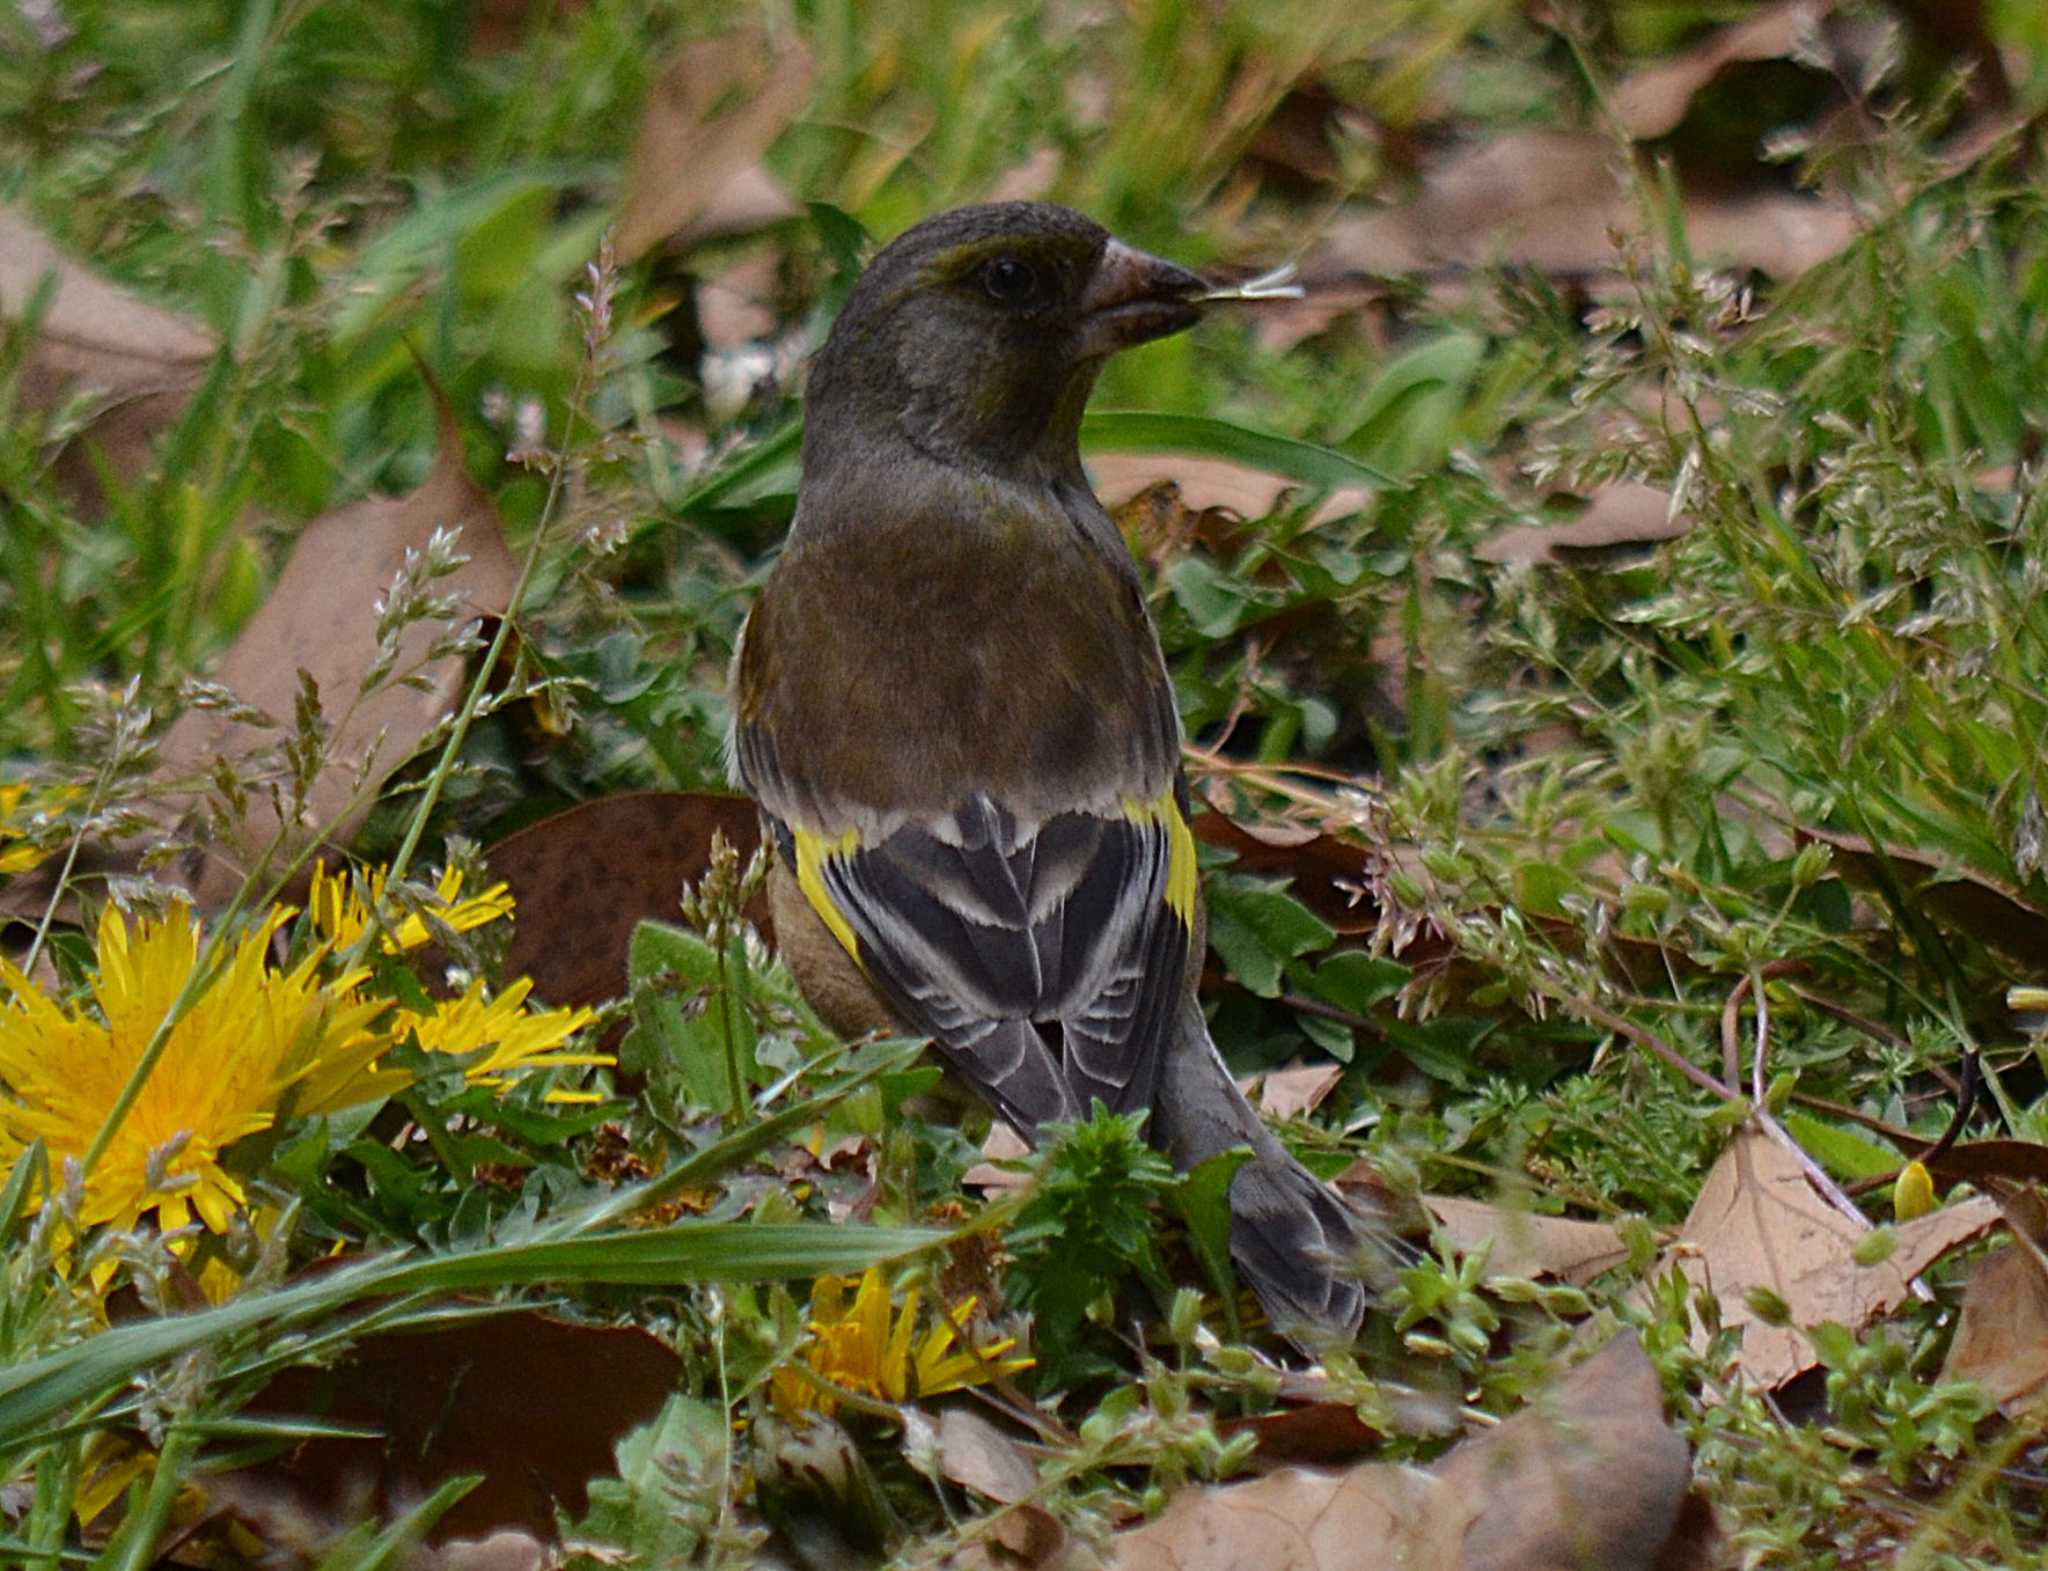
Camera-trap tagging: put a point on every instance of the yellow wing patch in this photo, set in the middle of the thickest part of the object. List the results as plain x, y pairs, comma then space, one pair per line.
1180, 866
812, 850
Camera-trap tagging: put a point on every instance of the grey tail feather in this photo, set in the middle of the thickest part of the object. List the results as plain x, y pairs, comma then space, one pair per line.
1311, 1259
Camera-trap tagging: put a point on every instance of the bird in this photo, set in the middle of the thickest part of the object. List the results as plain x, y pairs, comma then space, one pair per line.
950, 704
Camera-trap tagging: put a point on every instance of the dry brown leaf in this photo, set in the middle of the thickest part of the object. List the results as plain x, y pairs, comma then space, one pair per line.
1588, 1477
1292, 1093
1992, 912
141, 361
710, 116
467, 1399
1557, 200
1378, 1515
1327, 873
1321, 1434
1618, 519
321, 618
976, 1454
1003, 1144
1653, 100
1526, 1244
1025, 1538
1206, 483
1758, 1224
584, 878
2002, 1338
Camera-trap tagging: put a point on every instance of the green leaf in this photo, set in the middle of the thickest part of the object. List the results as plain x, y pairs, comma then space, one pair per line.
1305, 463
1842, 1153
1204, 1201
1257, 929
699, 1028
1409, 417
1356, 981
1441, 1048
1213, 600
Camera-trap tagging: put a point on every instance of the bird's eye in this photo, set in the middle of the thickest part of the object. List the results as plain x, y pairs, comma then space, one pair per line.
1010, 280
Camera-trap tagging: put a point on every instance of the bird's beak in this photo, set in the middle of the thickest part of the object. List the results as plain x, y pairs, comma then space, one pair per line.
1132, 297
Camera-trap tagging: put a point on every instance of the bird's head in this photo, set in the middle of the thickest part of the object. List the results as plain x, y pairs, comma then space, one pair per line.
976, 336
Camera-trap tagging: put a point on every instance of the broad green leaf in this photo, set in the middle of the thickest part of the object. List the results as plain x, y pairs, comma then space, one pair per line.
1356, 981
1213, 600
1306, 463
1257, 929
1842, 1153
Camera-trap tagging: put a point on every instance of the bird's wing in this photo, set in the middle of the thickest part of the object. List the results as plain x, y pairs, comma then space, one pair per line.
1045, 960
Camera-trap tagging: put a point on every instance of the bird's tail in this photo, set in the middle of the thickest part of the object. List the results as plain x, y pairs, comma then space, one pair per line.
1310, 1258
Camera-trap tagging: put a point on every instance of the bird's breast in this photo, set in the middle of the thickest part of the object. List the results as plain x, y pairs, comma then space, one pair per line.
903, 668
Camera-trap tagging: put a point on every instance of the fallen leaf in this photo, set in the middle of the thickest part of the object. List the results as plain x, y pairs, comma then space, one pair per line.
1327, 873
2001, 1339
1618, 520
1992, 912
1587, 1477
1974, 1161
584, 878
321, 620
1653, 100
1758, 1224
709, 117
1526, 1244
498, 25
1003, 1144
979, 1456
1028, 1538
1295, 1520
1559, 200
470, 1398
1206, 483
1293, 1093
1321, 1434
140, 361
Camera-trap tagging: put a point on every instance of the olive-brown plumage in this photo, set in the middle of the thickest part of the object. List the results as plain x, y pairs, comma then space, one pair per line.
951, 704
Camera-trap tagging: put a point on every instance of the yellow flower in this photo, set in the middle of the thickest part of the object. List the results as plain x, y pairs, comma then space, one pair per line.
340, 914
863, 1348
253, 1038
18, 810
502, 1030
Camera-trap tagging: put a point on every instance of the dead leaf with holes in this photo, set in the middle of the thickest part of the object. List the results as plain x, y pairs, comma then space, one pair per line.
1758, 1225
320, 621
137, 362
710, 115
1526, 1244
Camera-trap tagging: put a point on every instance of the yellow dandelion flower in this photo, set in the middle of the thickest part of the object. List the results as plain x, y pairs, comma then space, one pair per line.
341, 915
19, 807
864, 1347
253, 1037
503, 1030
